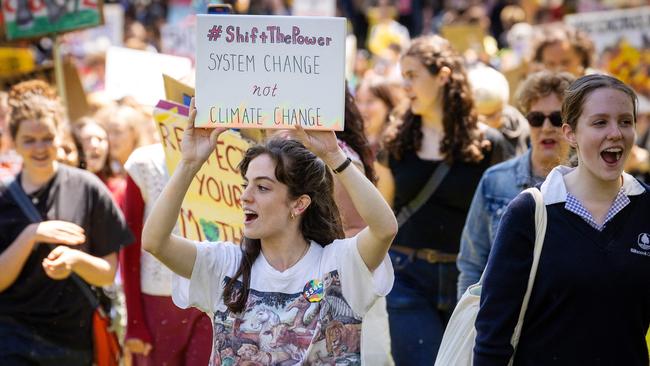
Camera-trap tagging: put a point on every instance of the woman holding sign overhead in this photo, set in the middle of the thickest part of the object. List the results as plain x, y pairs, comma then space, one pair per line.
293, 291
438, 142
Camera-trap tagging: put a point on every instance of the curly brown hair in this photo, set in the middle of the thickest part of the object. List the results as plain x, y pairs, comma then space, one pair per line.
303, 173
32, 107
33, 87
33, 100
462, 139
539, 85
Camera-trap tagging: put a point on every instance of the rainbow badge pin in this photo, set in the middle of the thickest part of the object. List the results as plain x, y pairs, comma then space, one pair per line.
313, 291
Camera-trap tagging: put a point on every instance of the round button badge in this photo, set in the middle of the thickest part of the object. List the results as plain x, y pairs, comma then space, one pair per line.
313, 291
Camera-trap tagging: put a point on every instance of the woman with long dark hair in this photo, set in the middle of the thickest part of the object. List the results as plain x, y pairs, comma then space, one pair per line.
293, 290
439, 131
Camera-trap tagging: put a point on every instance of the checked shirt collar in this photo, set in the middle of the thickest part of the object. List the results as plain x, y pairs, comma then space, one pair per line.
554, 191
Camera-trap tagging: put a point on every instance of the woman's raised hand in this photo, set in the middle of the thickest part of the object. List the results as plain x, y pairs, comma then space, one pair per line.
321, 143
198, 143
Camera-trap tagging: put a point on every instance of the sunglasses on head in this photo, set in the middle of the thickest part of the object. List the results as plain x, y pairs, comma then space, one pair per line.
536, 119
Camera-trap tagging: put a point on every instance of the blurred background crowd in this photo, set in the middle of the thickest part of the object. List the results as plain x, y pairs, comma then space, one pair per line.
488, 49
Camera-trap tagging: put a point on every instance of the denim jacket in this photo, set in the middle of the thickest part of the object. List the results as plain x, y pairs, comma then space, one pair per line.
498, 186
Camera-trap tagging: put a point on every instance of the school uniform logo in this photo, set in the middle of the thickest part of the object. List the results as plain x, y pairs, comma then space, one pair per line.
644, 243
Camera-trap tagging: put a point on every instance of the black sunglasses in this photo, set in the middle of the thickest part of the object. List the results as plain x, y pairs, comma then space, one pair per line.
536, 119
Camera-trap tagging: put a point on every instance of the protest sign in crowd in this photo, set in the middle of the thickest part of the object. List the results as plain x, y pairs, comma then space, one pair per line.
356, 182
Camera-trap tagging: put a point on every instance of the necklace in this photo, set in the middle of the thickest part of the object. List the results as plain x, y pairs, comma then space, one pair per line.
37, 195
302, 255
304, 252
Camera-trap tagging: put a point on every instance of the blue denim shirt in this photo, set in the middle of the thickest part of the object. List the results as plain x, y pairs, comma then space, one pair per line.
498, 186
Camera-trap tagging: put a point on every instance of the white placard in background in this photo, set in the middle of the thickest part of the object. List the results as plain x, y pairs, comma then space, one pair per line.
139, 73
321, 8
270, 71
608, 27
179, 39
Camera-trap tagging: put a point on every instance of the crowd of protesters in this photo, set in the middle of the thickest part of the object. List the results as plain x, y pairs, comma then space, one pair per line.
419, 113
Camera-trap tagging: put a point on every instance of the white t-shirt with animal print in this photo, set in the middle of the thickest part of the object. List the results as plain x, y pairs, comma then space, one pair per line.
309, 314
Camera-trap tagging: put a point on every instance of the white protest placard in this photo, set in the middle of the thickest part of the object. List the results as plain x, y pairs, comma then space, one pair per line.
179, 38
621, 40
270, 72
606, 28
139, 73
321, 8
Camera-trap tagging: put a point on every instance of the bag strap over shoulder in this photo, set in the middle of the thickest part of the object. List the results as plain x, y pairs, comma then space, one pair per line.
425, 193
540, 233
28, 208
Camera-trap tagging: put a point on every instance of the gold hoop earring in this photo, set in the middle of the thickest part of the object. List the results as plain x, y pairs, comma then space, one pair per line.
292, 215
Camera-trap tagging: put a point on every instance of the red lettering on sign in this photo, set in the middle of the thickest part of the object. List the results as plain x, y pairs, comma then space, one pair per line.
7, 6
236, 192
178, 133
233, 163
201, 179
89, 3
229, 232
36, 5
213, 189
191, 219
219, 191
217, 153
164, 133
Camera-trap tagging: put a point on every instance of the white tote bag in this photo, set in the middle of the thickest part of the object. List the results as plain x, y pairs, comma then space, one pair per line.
457, 347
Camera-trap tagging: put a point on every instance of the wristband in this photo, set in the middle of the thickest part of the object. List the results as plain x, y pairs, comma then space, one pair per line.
342, 167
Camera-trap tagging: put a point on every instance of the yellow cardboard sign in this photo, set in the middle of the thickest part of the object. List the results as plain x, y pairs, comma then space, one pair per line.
16, 61
464, 36
211, 209
176, 91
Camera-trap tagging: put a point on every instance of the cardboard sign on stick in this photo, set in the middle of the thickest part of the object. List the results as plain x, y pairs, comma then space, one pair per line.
270, 72
211, 209
75, 96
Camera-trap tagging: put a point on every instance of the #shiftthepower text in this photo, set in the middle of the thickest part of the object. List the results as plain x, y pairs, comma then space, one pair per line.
272, 34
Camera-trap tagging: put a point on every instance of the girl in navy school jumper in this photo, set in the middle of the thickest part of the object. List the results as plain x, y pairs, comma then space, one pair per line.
590, 303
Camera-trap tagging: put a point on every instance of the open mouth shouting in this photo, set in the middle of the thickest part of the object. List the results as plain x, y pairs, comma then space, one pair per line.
612, 155
249, 216
548, 143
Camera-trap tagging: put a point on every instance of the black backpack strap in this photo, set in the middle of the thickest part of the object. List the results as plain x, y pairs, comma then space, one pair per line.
28, 208
425, 193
